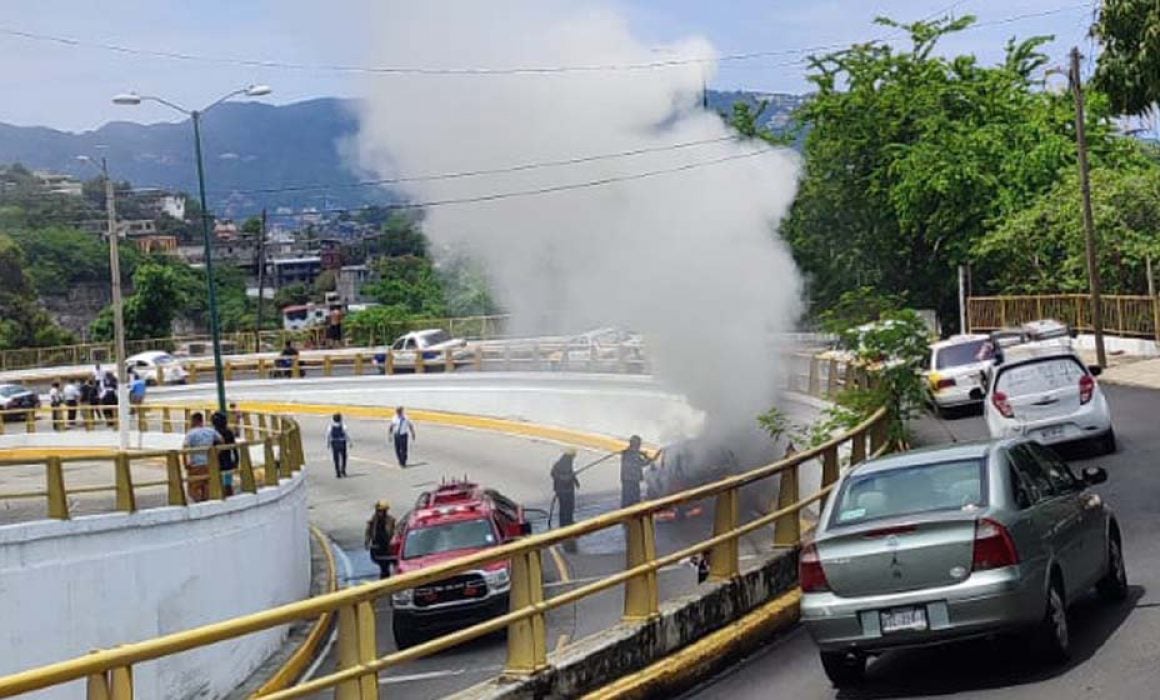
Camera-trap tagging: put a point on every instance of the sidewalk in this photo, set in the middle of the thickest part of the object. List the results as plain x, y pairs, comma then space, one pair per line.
1139, 372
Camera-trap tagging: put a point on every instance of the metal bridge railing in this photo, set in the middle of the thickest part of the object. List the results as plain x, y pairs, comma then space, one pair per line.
1124, 315
277, 439
109, 673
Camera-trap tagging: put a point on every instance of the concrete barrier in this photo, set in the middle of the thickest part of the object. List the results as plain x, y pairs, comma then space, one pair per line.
594, 661
70, 586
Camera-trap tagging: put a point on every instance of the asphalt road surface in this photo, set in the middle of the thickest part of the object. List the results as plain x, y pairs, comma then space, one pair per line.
1115, 648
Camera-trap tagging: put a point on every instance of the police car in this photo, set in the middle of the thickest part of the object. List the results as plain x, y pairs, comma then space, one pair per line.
454, 520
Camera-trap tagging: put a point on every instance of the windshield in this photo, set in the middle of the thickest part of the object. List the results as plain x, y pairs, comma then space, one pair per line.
960, 354
919, 489
299, 315
467, 534
1040, 376
10, 390
435, 337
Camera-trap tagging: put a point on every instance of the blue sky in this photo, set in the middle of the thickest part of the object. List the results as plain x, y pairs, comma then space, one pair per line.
69, 87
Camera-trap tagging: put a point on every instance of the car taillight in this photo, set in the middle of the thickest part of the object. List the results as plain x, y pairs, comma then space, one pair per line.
941, 383
811, 576
1002, 405
994, 547
1087, 387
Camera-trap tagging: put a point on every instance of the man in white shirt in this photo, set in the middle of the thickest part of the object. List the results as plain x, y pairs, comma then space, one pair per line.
402, 430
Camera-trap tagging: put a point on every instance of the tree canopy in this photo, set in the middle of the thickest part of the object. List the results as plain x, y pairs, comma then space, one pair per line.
1128, 68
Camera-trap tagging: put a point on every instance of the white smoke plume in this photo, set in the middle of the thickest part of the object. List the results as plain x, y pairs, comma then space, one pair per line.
690, 258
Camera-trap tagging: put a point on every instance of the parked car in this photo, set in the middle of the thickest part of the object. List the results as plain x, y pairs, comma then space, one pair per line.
157, 364
433, 343
1045, 392
14, 397
955, 371
453, 520
603, 346
956, 542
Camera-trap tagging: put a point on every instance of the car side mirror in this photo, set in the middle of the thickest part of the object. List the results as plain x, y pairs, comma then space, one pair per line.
1095, 370
1093, 476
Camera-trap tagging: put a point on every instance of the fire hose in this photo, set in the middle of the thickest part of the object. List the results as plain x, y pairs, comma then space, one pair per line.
578, 472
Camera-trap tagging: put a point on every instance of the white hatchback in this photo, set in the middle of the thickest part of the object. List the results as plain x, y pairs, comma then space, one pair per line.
954, 374
157, 365
1047, 394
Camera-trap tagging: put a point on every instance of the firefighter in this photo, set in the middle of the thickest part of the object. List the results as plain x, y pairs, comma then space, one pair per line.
380, 531
564, 484
632, 464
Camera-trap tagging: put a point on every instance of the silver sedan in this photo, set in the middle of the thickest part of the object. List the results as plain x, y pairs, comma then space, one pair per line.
950, 543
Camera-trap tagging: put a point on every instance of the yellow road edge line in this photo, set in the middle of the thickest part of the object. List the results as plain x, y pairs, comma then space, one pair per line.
292, 670
697, 658
461, 420
561, 564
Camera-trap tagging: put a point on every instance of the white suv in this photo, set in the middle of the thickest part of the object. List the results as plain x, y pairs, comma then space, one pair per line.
955, 370
1046, 393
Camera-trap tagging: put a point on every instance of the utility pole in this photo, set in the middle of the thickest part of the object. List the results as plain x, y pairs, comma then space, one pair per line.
1088, 223
261, 283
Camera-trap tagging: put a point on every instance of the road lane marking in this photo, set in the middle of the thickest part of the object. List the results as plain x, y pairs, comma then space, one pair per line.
432, 675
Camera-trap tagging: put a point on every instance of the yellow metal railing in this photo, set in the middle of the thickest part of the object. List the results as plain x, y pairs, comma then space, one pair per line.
109, 673
279, 438
1129, 316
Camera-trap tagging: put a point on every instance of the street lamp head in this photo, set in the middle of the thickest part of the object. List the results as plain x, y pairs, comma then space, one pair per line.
258, 90
84, 159
128, 98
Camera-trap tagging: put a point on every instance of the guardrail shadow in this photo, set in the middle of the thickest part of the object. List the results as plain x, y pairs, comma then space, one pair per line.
987, 664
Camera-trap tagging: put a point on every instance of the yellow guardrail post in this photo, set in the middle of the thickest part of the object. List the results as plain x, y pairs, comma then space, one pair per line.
724, 558
357, 645
327, 366
30, 421
358, 364
160, 375
57, 496
787, 530
390, 362
246, 469
193, 373
641, 599
142, 419
126, 499
166, 420
263, 426
284, 457
527, 650
448, 361
295, 367
420, 364
228, 371
173, 477
479, 352
213, 461
186, 419
270, 466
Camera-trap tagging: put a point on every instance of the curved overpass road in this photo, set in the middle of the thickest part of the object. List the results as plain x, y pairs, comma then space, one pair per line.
1115, 649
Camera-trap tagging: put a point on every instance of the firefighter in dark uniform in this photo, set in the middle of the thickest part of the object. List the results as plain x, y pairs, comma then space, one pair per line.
632, 464
564, 484
380, 531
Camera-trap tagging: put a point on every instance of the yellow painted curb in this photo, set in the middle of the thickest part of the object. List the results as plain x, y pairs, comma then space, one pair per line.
697, 659
294, 667
459, 420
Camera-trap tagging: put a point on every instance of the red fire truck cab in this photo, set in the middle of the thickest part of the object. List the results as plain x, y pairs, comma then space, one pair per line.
456, 519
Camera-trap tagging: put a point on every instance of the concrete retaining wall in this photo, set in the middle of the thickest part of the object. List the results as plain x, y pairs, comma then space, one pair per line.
68, 587
595, 661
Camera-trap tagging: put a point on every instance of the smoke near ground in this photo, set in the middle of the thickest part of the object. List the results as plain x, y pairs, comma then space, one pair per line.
688, 258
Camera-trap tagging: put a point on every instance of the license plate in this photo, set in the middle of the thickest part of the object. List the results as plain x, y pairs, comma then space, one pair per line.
903, 620
1055, 431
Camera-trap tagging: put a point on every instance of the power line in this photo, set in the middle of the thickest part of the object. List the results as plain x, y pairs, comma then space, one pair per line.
471, 70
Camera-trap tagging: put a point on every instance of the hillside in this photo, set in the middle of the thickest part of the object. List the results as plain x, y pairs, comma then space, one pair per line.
296, 144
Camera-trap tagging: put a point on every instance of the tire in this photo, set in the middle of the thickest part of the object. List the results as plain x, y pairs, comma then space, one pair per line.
1052, 636
1113, 587
1106, 443
845, 670
405, 638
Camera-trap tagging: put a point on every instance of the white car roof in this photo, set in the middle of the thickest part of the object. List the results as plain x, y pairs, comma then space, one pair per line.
148, 355
1018, 354
957, 340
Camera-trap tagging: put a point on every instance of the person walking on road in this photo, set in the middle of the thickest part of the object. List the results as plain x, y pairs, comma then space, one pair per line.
402, 431
564, 484
338, 440
632, 464
380, 531
198, 441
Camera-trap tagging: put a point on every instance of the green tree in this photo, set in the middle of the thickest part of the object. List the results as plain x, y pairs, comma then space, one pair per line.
59, 258
23, 322
291, 295
327, 281
376, 325
408, 282
1041, 248
911, 156
1128, 67
466, 288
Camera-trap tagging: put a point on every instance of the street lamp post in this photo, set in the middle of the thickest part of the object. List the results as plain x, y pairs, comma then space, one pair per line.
118, 306
195, 116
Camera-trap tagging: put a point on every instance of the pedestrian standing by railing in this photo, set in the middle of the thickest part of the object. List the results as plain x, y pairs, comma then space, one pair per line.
227, 458
198, 441
401, 431
137, 386
338, 440
56, 400
72, 398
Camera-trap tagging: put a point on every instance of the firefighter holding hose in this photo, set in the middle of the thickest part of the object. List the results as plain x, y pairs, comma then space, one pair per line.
632, 464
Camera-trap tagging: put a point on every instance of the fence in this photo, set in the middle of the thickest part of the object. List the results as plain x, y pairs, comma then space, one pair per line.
472, 327
1128, 316
109, 673
277, 438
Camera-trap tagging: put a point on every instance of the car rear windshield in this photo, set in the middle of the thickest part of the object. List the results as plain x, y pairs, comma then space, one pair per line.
436, 337
448, 537
941, 486
959, 354
11, 390
1038, 376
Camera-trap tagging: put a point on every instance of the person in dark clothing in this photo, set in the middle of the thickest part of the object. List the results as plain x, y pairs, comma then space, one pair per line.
107, 395
338, 440
380, 531
402, 432
632, 464
227, 457
564, 484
